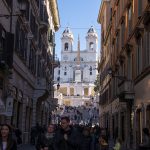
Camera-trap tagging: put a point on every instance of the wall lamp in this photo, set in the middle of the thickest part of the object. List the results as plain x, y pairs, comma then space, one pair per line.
111, 73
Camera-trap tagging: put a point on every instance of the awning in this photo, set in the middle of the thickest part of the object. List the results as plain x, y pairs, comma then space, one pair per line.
2, 107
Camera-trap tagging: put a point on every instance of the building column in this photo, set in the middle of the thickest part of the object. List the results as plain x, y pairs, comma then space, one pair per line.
24, 120
145, 107
68, 90
119, 124
34, 112
134, 127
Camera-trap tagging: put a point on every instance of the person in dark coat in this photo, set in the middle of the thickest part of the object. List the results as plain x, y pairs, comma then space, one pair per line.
6, 140
46, 141
86, 139
67, 137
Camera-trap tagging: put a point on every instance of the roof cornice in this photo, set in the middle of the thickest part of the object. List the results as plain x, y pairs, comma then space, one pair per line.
55, 14
101, 10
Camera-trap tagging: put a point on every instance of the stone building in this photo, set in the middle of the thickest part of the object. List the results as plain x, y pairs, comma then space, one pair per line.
77, 71
27, 61
125, 69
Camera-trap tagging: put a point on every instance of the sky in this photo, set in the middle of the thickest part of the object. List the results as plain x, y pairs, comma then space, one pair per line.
79, 16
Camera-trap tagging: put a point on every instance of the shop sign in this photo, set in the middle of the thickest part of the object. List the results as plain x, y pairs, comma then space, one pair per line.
9, 106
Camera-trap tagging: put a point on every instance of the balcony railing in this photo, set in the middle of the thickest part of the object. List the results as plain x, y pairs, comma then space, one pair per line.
56, 62
126, 90
76, 96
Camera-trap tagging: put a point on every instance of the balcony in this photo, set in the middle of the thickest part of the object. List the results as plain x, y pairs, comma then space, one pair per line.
103, 99
126, 90
76, 97
41, 83
56, 62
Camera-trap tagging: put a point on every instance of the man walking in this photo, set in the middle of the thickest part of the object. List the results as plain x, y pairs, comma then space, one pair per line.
67, 137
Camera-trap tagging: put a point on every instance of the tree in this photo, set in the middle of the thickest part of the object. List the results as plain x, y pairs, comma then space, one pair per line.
97, 83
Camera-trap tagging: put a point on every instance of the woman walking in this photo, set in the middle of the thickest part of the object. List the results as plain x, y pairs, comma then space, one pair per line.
46, 140
6, 140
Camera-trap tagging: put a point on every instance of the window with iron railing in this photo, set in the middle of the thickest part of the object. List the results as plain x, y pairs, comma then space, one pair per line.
21, 42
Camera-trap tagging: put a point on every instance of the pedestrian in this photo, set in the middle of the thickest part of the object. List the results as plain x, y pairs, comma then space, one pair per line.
46, 141
18, 136
6, 140
103, 143
145, 145
67, 137
86, 139
118, 144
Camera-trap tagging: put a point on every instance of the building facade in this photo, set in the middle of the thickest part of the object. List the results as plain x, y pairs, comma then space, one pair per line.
125, 69
27, 61
77, 71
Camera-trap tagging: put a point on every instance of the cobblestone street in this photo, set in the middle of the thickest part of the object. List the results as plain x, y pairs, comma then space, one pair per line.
26, 147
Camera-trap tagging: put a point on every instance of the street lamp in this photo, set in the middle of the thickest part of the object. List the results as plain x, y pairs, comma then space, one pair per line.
111, 73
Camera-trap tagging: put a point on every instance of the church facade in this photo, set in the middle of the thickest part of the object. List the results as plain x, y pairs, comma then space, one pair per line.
77, 71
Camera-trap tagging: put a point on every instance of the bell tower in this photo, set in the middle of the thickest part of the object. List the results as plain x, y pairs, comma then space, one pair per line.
91, 40
67, 41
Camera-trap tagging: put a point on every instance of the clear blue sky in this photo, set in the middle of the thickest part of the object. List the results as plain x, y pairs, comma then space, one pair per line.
79, 16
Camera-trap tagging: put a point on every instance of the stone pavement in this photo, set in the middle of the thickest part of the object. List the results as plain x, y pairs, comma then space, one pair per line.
26, 147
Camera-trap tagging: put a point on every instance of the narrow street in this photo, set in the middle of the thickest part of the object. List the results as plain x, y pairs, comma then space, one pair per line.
75, 75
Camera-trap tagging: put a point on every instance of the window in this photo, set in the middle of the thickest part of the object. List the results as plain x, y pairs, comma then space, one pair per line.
21, 42
58, 72
139, 8
130, 19
123, 33
65, 73
32, 60
91, 45
90, 70
146, 49
2, 42
66, 47
139, 57
58, 79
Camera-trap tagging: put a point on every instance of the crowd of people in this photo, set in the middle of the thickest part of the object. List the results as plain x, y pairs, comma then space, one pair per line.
65, 137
